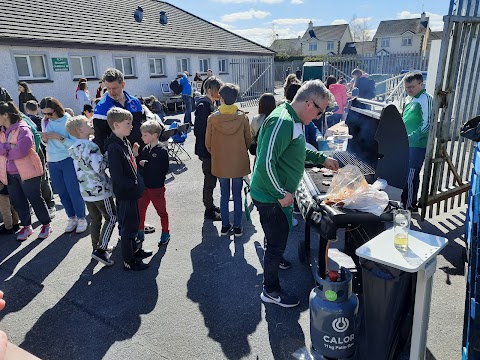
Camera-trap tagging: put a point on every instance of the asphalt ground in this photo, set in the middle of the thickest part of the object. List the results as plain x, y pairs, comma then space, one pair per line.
198, 300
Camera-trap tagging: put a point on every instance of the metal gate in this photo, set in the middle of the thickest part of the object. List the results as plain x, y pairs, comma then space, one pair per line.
254, 76
456, 100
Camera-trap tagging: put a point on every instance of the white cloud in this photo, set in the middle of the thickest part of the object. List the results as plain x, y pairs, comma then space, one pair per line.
248, 1
297, 21
245, 15
296, 2
361, 20
339, 22
225, 26
436, 20
265, 36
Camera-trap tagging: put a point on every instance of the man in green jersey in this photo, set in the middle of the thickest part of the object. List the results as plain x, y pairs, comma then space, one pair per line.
416, 117
281, 156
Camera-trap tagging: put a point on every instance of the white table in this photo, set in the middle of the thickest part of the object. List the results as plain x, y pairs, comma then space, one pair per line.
421, 258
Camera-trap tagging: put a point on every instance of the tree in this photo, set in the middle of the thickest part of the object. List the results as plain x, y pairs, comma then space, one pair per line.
359, 28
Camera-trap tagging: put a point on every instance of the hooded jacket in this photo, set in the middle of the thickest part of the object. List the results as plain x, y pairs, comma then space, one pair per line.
228, 138
340, 93
203, 109
127, 184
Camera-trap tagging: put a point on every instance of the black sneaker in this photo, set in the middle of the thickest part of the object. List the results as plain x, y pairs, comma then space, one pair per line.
216, 209
237, 231
149, 229
280, 299
211, 214
142, 254
226, 230
135, 265
285, 264
103, 257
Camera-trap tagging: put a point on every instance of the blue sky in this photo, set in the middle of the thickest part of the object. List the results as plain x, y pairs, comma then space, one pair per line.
260, 20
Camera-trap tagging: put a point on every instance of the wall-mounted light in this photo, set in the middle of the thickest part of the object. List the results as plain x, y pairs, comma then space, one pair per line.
163, 18
138, 14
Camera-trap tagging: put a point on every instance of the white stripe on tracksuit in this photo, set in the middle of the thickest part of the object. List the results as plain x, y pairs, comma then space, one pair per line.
411, 175
110, 225
270, 147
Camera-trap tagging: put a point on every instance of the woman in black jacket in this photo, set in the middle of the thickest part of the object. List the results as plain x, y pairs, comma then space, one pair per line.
25, 94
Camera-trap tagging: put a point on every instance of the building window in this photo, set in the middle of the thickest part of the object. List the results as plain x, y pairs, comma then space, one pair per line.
125, 65
330, 45
31, 67
183, 65
407, 41
83, 66
312, 46
223, 66
385, 42
204, 65
157, 66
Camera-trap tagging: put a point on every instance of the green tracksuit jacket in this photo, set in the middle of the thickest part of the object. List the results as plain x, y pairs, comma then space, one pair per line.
281, 157
416, 117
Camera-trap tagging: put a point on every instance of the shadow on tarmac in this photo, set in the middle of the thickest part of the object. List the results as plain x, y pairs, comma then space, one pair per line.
227, 289
99, 310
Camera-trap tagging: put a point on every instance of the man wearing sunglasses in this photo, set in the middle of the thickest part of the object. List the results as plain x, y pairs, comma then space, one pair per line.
416, 117
281, 156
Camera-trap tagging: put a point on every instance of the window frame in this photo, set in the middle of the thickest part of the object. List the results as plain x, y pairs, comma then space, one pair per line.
201, 61
407, 41
94, 61
385, 42
332, 47
122, 57
156, 74
31, 77
225, 71
179, 61
311, 46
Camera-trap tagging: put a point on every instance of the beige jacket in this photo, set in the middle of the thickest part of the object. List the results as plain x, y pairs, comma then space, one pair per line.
227, 139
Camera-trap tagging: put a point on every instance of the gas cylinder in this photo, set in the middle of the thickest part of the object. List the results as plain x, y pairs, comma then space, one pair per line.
333, 318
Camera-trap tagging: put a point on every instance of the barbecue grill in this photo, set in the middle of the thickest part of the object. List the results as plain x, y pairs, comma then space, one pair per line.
379, 148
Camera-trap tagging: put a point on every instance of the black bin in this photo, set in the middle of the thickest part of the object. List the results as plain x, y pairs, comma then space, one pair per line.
388, 302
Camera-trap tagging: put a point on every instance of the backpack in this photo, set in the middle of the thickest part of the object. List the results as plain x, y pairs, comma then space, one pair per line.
176, 87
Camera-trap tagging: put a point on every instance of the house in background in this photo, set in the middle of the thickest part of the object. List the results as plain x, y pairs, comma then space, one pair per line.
359, 48
287, 46
402, 36
325, 40
52, 43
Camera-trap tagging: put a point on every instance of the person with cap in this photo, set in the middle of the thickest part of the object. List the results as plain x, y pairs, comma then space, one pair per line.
187, 96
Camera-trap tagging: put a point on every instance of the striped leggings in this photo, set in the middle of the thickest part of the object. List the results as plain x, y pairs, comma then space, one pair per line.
410, 191
97, 209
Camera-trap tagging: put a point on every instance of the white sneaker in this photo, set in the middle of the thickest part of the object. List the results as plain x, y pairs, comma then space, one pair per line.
52, 211
71, 225
294, 222
82, 225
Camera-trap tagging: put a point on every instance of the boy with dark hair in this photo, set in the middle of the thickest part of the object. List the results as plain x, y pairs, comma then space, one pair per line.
31, 108
204, 108
127, 186
90, 165
153, 164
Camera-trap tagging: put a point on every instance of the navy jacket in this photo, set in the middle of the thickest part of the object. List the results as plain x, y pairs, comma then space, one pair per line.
155, 169
203, 109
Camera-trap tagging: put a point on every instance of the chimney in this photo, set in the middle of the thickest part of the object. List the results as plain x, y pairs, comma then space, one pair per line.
423, 20
310, 25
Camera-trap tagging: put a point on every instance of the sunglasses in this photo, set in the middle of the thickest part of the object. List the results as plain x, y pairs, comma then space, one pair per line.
320, 110
48, 113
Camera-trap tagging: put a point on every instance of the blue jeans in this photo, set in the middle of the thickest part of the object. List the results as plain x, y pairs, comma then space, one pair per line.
410, 191
188, 100
65, 184
237, 201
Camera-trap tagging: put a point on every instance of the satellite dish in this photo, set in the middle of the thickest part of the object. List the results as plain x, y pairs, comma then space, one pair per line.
138, 14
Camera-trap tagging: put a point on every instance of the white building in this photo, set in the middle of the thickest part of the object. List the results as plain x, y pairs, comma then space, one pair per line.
325, 40
52, 43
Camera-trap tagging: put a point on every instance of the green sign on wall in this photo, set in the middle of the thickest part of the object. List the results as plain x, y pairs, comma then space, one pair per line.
60, 64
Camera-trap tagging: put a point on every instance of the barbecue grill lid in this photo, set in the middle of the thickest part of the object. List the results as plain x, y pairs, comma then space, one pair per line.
393, 148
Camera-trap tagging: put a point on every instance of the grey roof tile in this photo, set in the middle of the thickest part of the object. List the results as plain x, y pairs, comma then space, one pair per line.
399, 27
327, 33
110, 24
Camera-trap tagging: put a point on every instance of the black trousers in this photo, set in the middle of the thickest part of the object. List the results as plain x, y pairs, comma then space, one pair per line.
209, 183
276, 229
128, 220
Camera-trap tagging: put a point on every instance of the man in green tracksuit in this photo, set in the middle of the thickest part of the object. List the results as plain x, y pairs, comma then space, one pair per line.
416, 117
281, 156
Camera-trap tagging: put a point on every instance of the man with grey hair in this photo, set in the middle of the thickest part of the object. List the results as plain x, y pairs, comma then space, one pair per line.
281, 156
